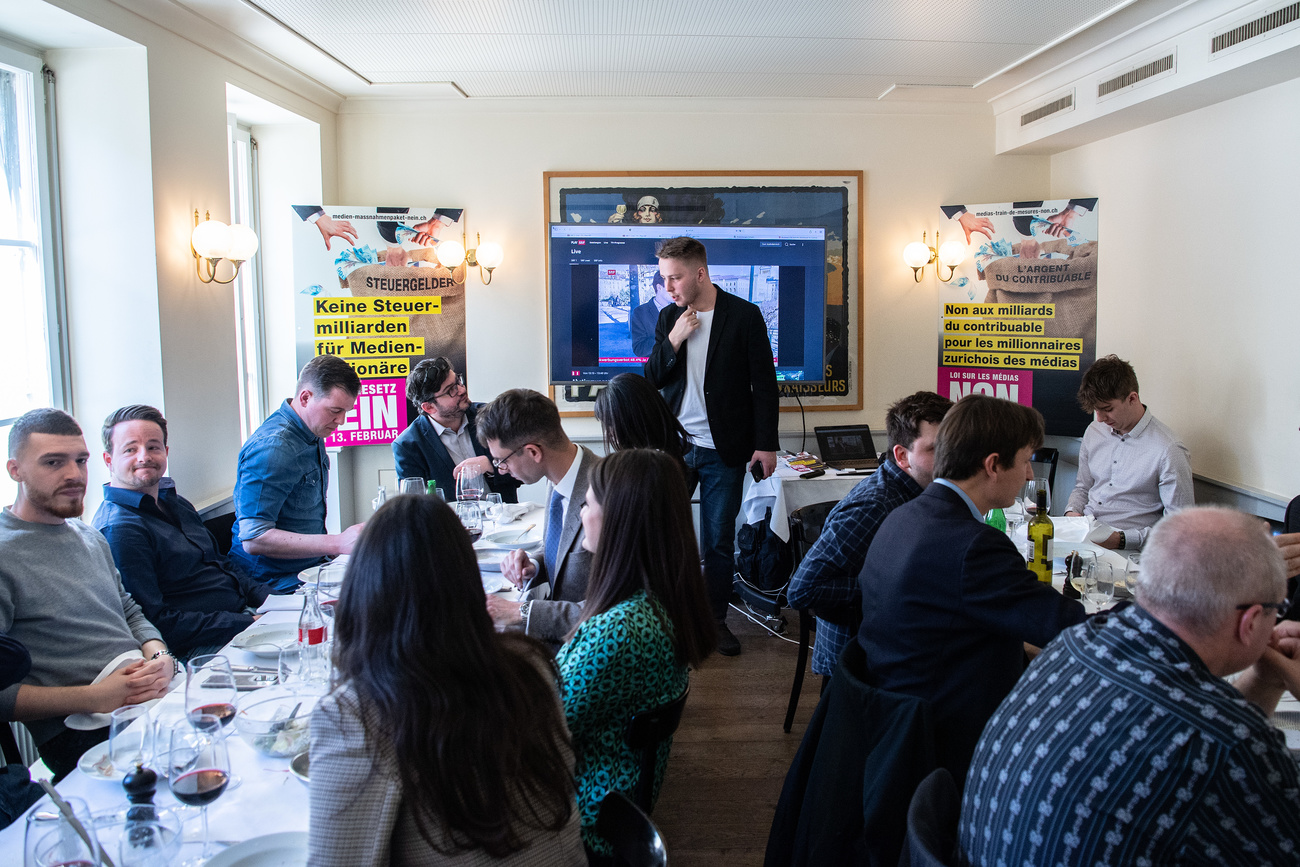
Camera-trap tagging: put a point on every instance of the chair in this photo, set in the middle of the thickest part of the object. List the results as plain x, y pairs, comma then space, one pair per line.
222, 528
1291, 521
645, 732
628, 829
805, 526
932, 822
1049, 457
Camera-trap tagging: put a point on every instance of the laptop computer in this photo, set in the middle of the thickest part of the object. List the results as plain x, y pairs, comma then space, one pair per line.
847, 447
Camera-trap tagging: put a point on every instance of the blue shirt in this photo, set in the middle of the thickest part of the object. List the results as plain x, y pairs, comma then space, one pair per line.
169, 563
827, 577
280, 485
1119, 746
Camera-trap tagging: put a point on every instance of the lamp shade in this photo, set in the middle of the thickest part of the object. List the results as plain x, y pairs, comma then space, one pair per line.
243, 243
211, 239
916, 255
450, 253
489, 255
952, 253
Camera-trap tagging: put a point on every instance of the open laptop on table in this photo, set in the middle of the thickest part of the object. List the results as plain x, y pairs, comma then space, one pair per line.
847, 447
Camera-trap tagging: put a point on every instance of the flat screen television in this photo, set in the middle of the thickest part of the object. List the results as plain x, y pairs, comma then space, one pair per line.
602, 290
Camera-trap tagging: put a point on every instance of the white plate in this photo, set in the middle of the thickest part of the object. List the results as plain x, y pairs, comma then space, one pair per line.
286, 849
494, 582
267, 640
512, 539
90, 760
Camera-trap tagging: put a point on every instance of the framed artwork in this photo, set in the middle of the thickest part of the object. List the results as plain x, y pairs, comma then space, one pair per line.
793, 198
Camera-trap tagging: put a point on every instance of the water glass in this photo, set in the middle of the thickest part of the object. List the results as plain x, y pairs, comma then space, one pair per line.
150, 844
1100, 587
51, 840
411, 485
495, 511
130, 737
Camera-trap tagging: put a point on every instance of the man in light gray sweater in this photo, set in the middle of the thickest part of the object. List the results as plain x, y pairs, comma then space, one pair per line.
61, 596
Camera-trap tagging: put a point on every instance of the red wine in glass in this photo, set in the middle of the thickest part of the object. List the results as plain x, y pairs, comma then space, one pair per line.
200, 788
223, 711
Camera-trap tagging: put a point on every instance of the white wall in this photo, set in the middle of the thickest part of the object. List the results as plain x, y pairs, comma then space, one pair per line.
1199, 222
112, 274
489, 158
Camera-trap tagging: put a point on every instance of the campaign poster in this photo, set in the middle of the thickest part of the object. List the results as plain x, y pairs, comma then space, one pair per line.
1018, 320
369, 288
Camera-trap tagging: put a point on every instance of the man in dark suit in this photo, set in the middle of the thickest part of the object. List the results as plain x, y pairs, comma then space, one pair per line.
440, 443
523, 434
712, 361
947, 601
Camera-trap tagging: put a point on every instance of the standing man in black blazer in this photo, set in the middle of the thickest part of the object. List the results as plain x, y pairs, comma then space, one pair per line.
712, 361
441, 440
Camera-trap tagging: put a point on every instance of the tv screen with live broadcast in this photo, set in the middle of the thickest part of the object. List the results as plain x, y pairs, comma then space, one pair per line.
606, 294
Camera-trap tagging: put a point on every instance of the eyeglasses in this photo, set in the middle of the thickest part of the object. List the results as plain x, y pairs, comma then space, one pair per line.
1279, 607
451, 389
498, 463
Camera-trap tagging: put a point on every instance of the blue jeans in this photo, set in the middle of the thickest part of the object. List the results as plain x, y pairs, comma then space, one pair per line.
720, 489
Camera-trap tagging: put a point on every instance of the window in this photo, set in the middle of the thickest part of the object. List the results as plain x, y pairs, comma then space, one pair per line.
251, 343
29, 330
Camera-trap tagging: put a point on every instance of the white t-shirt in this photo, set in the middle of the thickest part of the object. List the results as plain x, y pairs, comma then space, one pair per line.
694, 415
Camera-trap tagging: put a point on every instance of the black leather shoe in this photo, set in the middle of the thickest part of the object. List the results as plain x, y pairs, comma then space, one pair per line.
728, 644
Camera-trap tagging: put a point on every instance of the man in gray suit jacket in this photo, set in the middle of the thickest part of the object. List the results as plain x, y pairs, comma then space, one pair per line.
521, 429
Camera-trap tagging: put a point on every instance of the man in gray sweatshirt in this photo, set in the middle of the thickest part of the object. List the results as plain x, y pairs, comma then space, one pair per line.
61, 596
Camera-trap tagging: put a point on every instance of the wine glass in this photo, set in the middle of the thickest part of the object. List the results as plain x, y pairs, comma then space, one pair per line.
411, 485
198, 768
50, 838
210, 689
130, 737
495, 511
1078, 566
470, 484
1099, 592
471, 516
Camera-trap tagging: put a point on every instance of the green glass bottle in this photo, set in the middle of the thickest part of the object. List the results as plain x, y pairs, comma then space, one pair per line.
1041, 533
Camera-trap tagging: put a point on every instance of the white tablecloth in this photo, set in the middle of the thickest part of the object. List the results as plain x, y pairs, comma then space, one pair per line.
269, 799
784, 491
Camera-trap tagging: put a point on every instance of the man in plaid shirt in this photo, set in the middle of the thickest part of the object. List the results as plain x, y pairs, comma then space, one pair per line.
827, 579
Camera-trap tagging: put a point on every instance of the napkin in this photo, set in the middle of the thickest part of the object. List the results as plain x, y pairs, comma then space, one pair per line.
511, 511
290, 602
90, 721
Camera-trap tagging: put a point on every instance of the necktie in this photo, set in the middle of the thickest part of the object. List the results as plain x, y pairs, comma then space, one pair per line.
554, 527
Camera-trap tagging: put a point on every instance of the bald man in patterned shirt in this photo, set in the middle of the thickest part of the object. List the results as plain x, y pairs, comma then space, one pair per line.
1124, 745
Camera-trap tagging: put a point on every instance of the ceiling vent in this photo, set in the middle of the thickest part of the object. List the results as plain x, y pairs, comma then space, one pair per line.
1060, 104
1275, 22
1158, 68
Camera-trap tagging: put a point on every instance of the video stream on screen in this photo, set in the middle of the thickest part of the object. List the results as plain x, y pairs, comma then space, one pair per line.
606, 294
631, 297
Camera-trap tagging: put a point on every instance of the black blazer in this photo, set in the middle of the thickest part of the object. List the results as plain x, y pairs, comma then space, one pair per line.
740, 393
419, 452
947, 603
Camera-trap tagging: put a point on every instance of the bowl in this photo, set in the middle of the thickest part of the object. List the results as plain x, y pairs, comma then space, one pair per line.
276, 722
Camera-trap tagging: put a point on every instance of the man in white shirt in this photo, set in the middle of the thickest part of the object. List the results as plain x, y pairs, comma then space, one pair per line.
522, 431
1133, 470
712, 361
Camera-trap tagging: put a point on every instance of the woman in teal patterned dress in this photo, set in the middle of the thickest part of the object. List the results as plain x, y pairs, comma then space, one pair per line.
645, 620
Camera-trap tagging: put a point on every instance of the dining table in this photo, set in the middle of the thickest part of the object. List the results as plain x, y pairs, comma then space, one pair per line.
787, 490
268, 798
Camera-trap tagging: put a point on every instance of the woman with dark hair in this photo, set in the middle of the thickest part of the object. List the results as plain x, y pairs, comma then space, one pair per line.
645, 620
442, 741
633, 415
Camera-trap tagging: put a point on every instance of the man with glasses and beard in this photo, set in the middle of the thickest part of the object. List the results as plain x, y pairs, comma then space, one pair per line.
440, 443
61, 597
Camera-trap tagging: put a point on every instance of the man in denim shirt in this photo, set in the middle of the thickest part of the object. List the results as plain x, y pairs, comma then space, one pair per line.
168, 559
283, 471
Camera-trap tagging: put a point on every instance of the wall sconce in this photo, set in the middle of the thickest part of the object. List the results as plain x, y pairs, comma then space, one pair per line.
212, 240
452, 254
918, 254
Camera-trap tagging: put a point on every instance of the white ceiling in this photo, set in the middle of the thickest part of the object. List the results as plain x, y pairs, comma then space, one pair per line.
747, 49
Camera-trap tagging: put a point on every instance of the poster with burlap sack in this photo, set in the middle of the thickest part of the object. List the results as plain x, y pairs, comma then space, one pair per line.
1071, 285
443, 332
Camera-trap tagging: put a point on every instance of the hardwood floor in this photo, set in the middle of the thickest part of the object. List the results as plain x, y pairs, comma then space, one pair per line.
730, 755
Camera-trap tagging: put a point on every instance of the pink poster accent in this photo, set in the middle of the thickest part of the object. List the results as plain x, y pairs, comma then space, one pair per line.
1014, 385
378, 418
